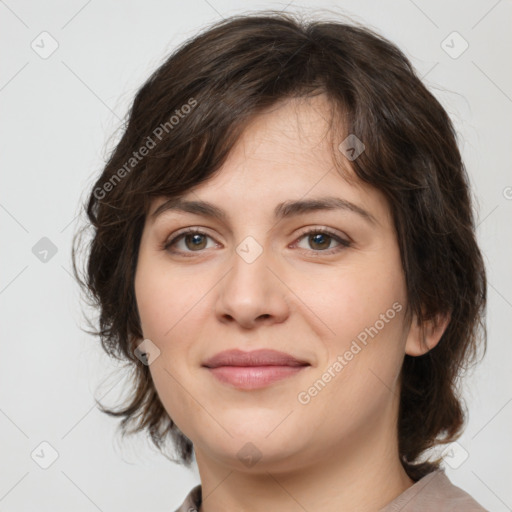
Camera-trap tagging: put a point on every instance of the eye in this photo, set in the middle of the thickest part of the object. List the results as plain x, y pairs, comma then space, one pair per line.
195, 240
320, 240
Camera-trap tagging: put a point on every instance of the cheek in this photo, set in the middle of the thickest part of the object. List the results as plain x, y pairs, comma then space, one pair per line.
354, 387
358, 298
163, 300
169, 307
165, 309
365, 309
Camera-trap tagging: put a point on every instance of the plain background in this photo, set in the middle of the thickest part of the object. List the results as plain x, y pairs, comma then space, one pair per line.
59, 120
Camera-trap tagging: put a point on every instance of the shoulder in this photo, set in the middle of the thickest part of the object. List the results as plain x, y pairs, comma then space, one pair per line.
436, 492
192, 501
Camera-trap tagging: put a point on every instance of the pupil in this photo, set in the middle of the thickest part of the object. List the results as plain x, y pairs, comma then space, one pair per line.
196, 240
317, 238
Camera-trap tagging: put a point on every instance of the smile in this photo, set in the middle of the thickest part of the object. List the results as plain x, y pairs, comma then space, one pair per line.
255, 369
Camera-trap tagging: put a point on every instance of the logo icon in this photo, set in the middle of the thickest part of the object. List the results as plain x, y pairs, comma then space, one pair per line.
454, 45
352, 147
249, 250
454, 455
249, 455
44, 45
44, 455
146, 352
44, 250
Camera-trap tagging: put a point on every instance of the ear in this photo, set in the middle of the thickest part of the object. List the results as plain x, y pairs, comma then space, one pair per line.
423, 337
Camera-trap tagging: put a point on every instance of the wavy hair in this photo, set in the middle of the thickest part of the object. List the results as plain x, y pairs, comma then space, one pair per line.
180, 128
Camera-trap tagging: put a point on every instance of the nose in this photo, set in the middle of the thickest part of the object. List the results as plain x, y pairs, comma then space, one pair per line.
252, 293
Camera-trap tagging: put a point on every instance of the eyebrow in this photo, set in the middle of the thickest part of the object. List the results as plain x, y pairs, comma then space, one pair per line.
281, 211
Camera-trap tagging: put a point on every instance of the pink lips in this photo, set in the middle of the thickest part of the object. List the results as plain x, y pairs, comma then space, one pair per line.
253, 370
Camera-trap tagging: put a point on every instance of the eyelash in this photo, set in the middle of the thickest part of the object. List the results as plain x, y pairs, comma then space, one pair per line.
191, 231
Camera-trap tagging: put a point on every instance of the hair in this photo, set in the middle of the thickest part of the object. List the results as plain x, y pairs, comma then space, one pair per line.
182, 125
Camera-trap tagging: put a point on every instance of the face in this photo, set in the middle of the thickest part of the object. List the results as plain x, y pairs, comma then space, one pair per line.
324, 286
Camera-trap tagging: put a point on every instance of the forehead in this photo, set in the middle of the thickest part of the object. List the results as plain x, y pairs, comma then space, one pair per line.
294, 130
288, 152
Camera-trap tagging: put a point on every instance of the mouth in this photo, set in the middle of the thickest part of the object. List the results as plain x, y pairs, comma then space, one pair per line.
253, 370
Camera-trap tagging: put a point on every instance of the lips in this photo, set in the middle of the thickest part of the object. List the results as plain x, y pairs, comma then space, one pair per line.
254, 358
253, 370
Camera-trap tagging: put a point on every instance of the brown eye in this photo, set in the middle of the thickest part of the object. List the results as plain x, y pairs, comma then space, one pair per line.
187, 242
319, 241
195, 241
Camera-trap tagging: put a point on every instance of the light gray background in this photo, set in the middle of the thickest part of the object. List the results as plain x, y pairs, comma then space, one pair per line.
58, 114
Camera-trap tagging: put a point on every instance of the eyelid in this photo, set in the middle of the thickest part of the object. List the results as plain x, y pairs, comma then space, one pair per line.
343, 240
173, 237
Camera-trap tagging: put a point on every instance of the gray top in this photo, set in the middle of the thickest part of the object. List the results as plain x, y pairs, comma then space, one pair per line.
432, 492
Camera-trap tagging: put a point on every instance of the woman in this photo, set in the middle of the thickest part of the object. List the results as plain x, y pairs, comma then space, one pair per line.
284, 252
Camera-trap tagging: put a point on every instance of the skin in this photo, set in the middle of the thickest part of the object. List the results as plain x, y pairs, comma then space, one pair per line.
339, 451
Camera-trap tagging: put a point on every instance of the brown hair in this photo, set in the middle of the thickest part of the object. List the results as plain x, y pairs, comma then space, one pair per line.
189, 114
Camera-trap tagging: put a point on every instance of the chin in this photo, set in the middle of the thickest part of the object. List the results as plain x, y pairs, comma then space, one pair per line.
259, 456
256, 423
256, 448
